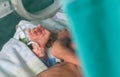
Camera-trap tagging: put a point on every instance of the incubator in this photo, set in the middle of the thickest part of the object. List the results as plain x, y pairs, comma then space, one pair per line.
36, 12
95, 27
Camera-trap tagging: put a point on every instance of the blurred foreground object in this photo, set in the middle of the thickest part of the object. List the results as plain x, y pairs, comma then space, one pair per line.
95, 27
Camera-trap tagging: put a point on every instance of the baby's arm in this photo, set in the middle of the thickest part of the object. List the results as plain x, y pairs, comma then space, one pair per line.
63, 48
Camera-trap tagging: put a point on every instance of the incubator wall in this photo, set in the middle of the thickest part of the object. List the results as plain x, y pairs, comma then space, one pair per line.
9, 18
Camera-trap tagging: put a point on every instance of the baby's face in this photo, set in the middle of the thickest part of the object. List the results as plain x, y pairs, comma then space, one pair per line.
38, 51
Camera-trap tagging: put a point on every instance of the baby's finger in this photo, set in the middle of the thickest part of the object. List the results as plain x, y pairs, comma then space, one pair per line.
35, 31
39, 27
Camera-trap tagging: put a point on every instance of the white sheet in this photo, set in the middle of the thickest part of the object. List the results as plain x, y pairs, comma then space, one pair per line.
17, 60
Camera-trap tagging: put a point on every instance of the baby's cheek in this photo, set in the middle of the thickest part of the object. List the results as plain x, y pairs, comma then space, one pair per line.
41, 55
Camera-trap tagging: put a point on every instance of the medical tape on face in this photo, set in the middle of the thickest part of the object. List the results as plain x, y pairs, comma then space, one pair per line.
32, 42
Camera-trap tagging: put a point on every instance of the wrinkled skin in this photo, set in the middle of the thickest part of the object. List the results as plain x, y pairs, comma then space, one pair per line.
63, 48
40, 35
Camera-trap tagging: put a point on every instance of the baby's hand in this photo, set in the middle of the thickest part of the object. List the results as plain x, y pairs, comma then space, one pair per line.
39, 35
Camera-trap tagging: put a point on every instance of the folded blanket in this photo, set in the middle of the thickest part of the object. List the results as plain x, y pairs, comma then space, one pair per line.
17, 60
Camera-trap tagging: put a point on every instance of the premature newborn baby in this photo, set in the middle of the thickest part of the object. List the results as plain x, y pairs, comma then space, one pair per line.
40, 39
62, 48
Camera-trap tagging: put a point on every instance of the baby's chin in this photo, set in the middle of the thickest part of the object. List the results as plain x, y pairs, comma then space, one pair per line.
41, 55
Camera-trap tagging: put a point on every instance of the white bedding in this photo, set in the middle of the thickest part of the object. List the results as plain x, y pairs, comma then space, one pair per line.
17, 60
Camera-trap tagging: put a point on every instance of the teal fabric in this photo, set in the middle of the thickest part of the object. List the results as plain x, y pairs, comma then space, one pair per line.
37, 5
7, 27
95, 27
